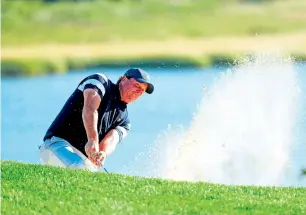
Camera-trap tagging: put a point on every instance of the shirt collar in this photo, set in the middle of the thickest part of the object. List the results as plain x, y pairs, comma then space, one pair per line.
116, 93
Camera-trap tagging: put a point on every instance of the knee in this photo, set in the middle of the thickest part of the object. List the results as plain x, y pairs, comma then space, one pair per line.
83, 165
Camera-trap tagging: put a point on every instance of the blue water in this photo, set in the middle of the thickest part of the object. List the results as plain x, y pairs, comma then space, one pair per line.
29, 105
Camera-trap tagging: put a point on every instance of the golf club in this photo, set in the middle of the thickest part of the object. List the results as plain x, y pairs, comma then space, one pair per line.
101, 166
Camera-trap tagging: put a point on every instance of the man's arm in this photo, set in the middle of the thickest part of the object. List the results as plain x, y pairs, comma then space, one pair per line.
109, 142
113, 137
92, 102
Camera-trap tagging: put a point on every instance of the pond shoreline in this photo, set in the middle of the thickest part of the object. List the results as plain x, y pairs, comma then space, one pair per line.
33, 67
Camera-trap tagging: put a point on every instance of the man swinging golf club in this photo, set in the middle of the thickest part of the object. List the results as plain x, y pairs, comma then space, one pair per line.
93, 120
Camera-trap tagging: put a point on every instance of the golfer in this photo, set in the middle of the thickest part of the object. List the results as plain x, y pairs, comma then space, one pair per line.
93, 120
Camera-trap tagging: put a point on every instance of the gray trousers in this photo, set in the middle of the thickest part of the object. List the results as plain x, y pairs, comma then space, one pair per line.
58, 152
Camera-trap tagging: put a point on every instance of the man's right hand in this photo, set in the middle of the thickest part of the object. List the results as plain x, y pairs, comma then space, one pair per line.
92, 150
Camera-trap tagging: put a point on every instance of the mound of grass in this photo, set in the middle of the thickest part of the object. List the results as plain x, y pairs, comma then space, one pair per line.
36, 189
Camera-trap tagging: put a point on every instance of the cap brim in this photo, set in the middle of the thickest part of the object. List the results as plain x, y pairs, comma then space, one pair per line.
150, 87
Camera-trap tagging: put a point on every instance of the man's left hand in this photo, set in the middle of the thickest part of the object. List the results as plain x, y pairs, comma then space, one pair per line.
100, 157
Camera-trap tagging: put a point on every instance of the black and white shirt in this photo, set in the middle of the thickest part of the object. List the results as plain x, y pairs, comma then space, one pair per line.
112, 113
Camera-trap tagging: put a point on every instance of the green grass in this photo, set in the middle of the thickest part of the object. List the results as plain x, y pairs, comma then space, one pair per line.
32, 22
35, 189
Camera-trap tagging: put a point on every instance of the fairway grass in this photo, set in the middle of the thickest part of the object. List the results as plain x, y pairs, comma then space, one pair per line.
35, 189
185, 47
176, 53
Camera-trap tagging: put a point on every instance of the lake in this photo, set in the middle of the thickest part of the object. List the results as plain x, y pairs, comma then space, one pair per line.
29, 105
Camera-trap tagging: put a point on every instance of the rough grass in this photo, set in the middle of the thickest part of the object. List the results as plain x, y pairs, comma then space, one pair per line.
36, 189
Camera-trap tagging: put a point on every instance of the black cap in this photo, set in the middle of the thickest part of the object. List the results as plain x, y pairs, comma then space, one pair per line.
140, 76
